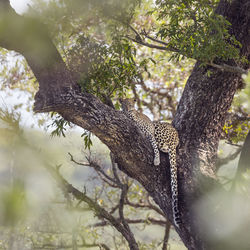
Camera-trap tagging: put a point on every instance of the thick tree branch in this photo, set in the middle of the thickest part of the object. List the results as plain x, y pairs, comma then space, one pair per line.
30, 38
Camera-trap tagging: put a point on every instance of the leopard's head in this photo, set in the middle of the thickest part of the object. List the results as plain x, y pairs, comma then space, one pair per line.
128, 104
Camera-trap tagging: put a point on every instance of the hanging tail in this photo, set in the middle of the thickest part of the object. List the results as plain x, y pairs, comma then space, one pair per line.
174, 187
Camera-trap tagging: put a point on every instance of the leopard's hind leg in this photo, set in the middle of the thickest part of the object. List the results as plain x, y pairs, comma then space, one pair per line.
155, 148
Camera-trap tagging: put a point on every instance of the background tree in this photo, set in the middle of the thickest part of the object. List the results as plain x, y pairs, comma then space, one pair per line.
101, 64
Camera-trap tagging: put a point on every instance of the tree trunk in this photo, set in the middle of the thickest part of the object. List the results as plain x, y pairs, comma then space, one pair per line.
199, 119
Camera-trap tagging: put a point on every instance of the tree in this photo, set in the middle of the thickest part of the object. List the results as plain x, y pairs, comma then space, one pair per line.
201, 112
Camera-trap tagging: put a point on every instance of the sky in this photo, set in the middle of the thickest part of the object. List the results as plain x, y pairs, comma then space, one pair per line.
20, 5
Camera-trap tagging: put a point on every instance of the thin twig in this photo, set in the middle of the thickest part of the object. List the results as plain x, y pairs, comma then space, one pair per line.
228, 68
149, 45
233, 144
149, 206
114, 170
99, 211
166, 236
227, 159
149, 220
223, 67
97, 167
51, 246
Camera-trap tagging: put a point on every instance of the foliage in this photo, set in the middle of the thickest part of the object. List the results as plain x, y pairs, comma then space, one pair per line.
105, 70
60, 125
87, 139
194, 30
92, 37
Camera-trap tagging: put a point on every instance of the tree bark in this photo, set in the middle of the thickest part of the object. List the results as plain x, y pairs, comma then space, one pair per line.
199, 119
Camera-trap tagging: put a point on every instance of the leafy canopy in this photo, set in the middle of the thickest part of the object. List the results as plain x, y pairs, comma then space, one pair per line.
194, 30
104, 69
97, 33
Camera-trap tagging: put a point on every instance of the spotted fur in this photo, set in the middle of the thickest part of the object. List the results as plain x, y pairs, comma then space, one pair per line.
167, 141
162, 136
143, 122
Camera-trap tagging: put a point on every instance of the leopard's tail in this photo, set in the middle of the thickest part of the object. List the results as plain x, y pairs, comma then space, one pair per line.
174, 187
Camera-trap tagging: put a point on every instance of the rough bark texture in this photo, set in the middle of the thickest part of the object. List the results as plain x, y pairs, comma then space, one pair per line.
199, 119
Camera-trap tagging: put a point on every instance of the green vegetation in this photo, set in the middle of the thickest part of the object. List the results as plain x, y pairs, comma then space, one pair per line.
145, 49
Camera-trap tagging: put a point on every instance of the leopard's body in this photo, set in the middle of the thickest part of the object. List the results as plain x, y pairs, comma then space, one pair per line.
164, 136
167, 141
143, 122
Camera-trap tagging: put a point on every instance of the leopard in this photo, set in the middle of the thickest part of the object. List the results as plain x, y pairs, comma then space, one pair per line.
164, 137
167, 139
143, 122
